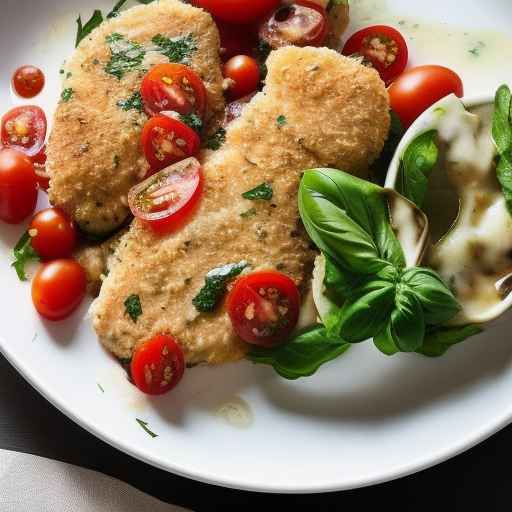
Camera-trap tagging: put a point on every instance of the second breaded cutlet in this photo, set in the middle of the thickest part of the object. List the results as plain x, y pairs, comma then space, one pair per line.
318, 108
94, 153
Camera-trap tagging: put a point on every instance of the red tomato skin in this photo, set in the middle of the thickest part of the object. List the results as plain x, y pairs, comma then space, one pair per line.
151, 89
180, 129
243, 293
237, 11
161, 351
245, 73
58, 289
354, 43
18, 186
56, 234
419, 88
39, 124
237, 39
28, 81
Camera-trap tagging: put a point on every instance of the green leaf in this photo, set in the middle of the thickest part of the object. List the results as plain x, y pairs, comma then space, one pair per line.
115, 11
215, 286
338, 284
144, 426
303, 355
194, 121
416, 165
216, 140
23, 254
504, 175
84, 30
133, 307
134, 102
262, 192
440, 339
178, 49
502, 122
67, 94
438, 302
281, 121
405, 329
366, 311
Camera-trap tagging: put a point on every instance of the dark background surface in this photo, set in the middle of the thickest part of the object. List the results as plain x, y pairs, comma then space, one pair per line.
480, 479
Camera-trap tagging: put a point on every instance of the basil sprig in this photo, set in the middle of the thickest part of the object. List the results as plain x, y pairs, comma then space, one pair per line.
348, 219
502, 135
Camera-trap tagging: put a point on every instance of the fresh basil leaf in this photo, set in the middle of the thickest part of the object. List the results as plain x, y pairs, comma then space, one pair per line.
23, 254
303, 355
385, 342
365, 311
502, 121
115, 11
504, 175
439, 339
338, 284
84, 30
262, 192
418, 161
438, 302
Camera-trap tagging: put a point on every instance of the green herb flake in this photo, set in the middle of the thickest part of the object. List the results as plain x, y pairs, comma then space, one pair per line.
23, 254
216, 140
178, 49
144, 426
249, 213
67, 94
281, 121
134, 102
69, 75
84, 30
262, 192
194, 121
100, 387
61, 71
133, 307
215, 286
125, 55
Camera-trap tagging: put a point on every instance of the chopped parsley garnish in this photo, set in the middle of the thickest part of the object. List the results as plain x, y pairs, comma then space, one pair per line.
281, 120
144, 425
133, 307
249, 213
100, 387
215, 285
23, 254
67, 94
177, 49
69, 75
193, 120
125, 55
261, 192
84, 30
134, 102
216, 140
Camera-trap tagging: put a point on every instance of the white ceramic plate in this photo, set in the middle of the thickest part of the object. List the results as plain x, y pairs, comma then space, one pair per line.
362, 419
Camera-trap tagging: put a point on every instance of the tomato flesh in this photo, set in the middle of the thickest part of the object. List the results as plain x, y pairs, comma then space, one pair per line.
42, 176
302, 23
166, 200
53, 234
173, 87
166, 141
18, 186
244, 73
383, 46
58, 288
237, 11
264, 308
158, 365
24, 129
28, 81
419, 88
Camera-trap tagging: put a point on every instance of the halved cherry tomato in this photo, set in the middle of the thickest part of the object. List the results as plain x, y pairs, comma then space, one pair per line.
173, 87
302, 23
166, 140
158, 365
419, 88
245, 75
18, 186
237, 11
39, 161
53, 234
24, 129
237, 39
166, 200
264, 308
235, 108
28, 81
383, 46
58, 288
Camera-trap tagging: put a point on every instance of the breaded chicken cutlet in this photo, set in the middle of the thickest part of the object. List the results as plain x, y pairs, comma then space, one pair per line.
94, 154
318, 108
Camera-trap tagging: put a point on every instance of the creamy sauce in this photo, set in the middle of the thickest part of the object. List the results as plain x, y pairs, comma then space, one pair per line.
475, 256
236, 413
